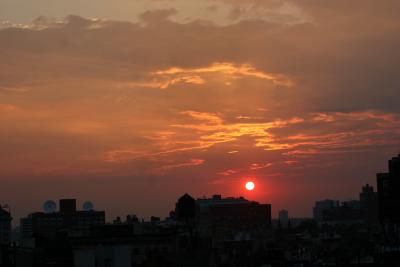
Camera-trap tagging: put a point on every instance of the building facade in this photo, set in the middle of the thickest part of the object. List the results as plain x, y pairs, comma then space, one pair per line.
389, 193
283, 217
232, 218
369, 204
322, 206
389, 202
67, 219
5, 226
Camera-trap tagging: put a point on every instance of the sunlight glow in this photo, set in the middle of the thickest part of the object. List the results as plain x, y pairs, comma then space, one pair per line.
250, 186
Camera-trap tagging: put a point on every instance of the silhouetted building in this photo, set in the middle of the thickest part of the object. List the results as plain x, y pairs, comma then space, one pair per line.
331, 212
131, 219
119, 246
283, 218
322, 206
67, 219
26, 229
5, 226
67, 205
155, 219
343, 214
369, 204
185, 208
7, 255
389, 211
117, 220
204, 203
225, 232
242, 221
354, 204
389, 193
232, 218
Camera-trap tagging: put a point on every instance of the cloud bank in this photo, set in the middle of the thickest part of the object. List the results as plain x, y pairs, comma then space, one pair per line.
300, 97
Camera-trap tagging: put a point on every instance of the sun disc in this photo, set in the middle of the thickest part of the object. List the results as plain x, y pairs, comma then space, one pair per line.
250, 186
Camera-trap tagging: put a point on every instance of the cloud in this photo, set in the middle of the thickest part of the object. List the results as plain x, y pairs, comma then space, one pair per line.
157, 16
228, 69
192, 162
14, 89
277, 11
80, 97
7, 107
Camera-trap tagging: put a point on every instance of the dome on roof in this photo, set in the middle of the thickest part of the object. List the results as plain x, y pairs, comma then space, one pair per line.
186, 196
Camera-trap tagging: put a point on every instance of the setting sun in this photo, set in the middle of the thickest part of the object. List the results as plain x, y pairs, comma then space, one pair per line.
250, 186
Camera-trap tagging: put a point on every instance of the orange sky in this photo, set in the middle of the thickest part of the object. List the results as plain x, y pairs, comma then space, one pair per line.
132, 104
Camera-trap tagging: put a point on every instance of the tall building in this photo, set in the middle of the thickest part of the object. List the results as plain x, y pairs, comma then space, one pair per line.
5, 226
283, 217
322, 206
389, 211
369, 204
389, 193
389, 204
26, 226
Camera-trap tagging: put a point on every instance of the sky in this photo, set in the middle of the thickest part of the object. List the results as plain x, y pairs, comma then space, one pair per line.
132, 103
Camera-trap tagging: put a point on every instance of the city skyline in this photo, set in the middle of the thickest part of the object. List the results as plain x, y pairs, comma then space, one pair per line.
212, 231
50, 206
130, 104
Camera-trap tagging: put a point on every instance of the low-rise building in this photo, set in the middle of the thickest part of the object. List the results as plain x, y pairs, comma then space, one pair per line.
68, 219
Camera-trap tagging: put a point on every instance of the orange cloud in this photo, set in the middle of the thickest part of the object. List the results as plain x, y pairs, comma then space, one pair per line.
7, 107
192, 162
229, 69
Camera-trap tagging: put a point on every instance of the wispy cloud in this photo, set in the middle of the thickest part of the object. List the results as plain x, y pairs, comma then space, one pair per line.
225, 68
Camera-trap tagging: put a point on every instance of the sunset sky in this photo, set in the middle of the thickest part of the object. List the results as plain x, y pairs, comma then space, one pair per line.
131, 103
